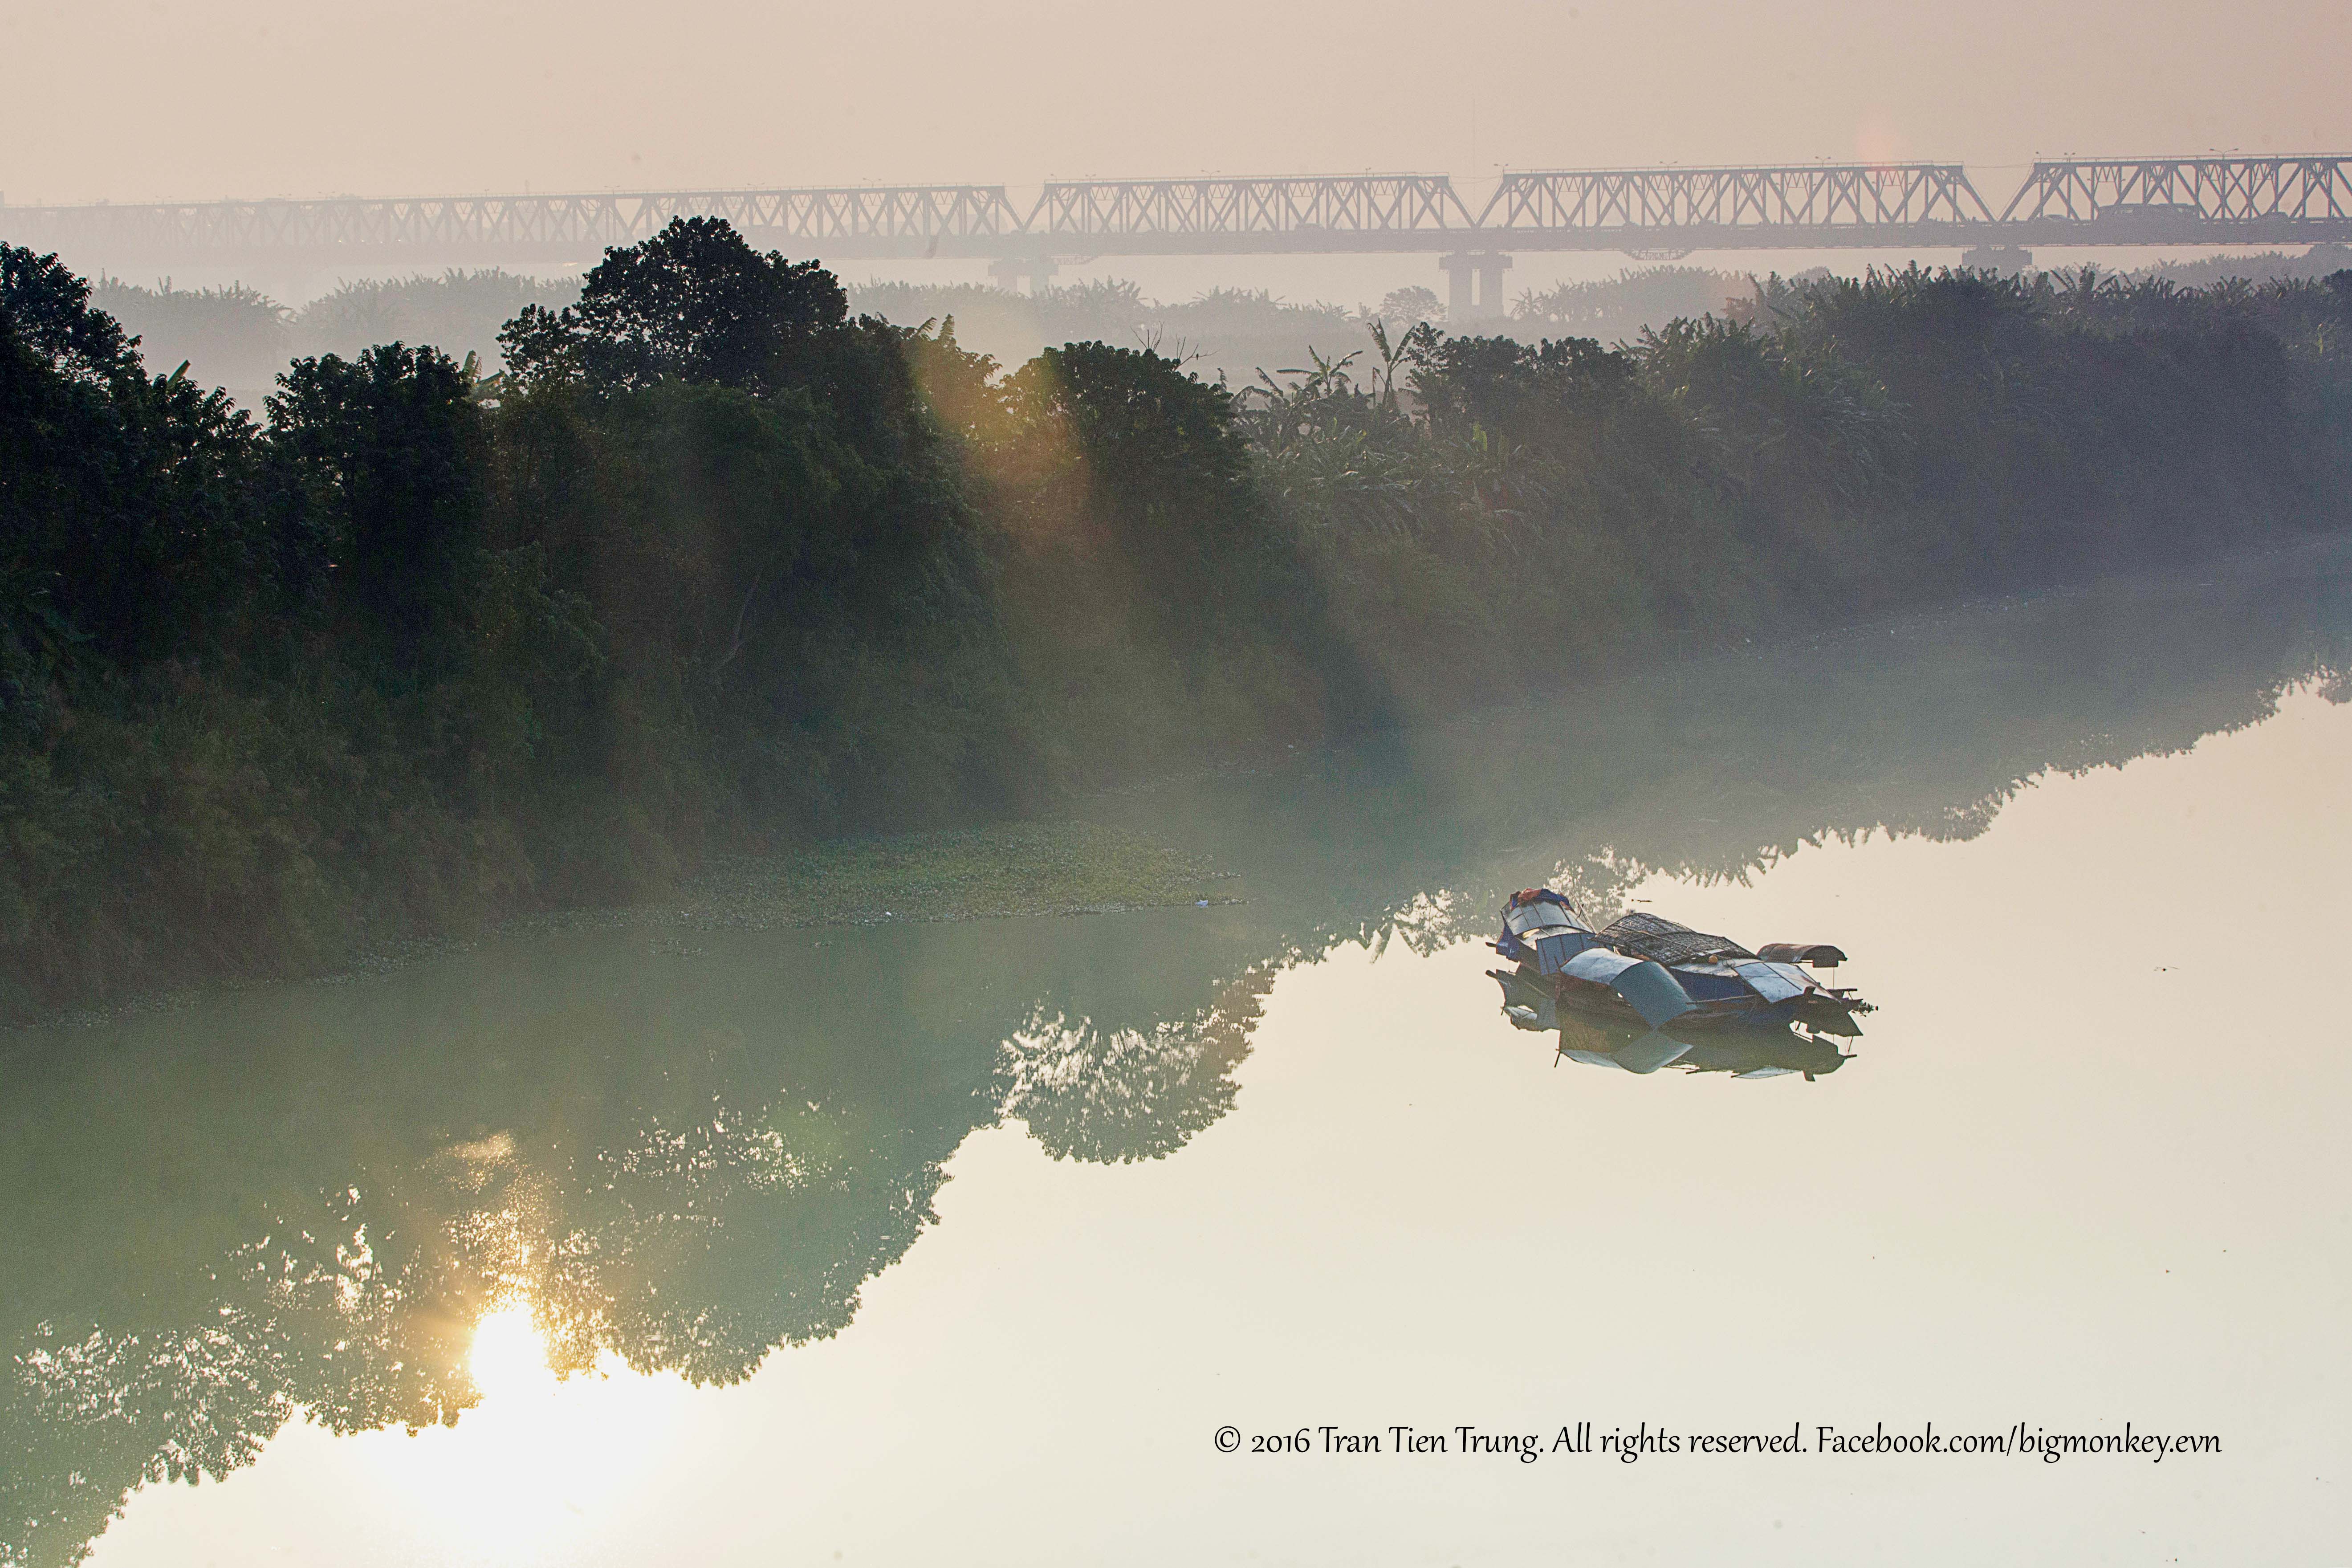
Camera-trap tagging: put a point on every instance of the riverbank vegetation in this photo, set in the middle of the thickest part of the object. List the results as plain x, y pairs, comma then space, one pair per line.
716, 567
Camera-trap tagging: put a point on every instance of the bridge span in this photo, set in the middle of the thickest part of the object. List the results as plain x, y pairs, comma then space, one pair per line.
1656, 213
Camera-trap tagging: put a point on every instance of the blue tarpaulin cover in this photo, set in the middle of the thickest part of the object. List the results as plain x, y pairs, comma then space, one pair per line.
1553, 952
1650, 1052
1600, 966
1707, 985
1538, 915
1646, 986
1774, 982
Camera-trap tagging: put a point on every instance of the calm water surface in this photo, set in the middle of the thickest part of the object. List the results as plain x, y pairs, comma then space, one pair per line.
958, 1242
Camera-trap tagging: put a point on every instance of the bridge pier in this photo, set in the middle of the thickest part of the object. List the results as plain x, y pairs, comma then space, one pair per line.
1023, 274
1473, 285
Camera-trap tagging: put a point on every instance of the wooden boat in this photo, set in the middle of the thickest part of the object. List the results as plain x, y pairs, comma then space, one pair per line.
1646, 972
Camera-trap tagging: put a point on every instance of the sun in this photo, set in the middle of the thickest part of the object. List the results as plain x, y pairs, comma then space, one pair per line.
509, 1357
539, 1463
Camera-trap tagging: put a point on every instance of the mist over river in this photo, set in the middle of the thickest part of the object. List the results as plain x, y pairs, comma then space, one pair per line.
960, 1241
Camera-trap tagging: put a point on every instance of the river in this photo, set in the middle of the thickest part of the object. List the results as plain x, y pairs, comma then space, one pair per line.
962, 1242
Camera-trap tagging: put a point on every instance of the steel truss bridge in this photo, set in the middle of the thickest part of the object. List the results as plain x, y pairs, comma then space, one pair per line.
1647, 212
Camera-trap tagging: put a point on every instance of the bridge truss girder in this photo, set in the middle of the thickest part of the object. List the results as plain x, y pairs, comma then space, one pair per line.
1824, 198
1176, 210
2181, 201
906, 221
2221, 192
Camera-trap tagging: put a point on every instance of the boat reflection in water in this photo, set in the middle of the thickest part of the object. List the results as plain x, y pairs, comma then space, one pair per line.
1743, 1053
1643, 992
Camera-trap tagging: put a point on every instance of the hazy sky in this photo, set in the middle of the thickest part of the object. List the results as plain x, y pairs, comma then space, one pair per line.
131, 98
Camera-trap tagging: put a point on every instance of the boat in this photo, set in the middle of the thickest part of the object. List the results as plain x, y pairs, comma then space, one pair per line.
1674, 995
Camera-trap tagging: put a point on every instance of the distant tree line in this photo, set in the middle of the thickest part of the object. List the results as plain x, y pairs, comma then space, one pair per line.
236, 337
713, 562
239, 338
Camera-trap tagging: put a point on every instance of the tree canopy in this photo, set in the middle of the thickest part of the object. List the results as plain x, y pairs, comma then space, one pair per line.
695, 303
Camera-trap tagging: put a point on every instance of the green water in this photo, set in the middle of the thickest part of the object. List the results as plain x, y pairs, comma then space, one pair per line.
958, 1241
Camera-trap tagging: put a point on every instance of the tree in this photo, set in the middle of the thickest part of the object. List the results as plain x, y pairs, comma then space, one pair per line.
125, 522
47, 308
693, 303
1410, 307
1540, 396
382, 459
1143, 464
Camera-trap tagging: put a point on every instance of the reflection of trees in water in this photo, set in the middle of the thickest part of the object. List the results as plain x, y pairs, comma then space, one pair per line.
693, 1235
1123, 1094
1718, 770
328, 1314
688, 1186
702, 1247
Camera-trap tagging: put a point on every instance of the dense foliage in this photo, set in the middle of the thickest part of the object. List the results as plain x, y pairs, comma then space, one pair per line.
1854, 446
715, 562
